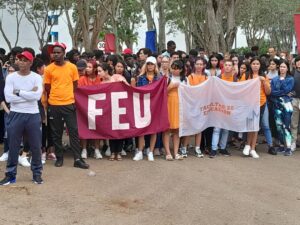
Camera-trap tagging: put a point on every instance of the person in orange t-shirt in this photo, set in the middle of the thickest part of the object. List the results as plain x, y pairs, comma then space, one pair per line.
196, 78
60, 81
90, 78
255, 72
243, 69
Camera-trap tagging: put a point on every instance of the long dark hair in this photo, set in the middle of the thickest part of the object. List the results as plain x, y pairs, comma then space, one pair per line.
214, 55
288, 66
180, 65
37, 63
239, 75
249, 75
106, 68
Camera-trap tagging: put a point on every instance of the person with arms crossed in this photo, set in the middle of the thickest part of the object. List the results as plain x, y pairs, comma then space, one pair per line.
22, 90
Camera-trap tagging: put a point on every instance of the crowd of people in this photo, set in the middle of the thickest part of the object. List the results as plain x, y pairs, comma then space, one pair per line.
38, 104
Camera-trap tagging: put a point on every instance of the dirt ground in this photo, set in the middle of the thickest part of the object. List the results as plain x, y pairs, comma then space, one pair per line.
222, 191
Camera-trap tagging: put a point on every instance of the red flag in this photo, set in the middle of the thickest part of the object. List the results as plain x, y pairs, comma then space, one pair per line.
297, 30
117, 111
110, 44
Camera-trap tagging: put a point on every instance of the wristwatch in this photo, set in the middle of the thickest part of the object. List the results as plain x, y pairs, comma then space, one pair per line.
17, 92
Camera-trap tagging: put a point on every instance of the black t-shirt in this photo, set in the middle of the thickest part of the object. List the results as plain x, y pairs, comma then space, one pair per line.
297, 84
2, 84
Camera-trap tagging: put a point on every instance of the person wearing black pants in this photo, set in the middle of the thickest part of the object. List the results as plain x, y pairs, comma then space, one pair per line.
116, 146
58, 114
60, 78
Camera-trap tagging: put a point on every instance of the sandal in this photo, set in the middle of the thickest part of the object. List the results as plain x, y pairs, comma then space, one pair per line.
169, 157
178, 157
112, 157
119, 157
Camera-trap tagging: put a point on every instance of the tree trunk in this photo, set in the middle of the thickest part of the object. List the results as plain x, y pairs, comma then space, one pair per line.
231, 26
161, 25
146, 5
84, 18
4, 36
213, 26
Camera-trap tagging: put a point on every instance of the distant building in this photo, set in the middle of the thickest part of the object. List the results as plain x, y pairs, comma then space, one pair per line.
27, 36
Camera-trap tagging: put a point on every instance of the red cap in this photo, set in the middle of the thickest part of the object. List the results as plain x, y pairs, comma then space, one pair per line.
56, 44
25, 54
127, 51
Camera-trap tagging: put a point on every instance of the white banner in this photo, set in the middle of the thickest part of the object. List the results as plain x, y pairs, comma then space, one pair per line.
233, 106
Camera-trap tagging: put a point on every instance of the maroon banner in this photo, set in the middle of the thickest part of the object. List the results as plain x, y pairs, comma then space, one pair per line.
117, 111
297, 30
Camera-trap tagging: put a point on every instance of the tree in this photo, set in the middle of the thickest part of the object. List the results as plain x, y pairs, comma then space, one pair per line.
37, 12
89, 17
14, 8
207, 23
130, 16
161, 6
271, 20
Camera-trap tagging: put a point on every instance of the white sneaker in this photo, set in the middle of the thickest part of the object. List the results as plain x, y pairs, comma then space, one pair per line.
183, 152
246, 150
293, 147
123, 152
150, 156
23, 161
254, 154
84, 154
138, 156
178, 157
108, 152
98, 154
198, 152
4, 157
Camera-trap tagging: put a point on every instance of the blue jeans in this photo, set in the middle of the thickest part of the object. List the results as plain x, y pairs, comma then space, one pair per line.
264, 123
18, 124
216, 139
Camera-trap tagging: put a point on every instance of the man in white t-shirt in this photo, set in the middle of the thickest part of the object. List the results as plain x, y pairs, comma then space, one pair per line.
22, 90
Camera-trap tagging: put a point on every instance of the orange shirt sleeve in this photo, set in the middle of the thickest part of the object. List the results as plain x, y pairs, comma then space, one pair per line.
47, 76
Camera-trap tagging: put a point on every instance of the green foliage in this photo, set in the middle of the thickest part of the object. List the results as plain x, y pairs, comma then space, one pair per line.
129, 17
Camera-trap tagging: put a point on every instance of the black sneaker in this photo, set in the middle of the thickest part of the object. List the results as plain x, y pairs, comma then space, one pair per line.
8, 180
272, 151
225, 152
212, 154
79, 163
59, 162
37, 179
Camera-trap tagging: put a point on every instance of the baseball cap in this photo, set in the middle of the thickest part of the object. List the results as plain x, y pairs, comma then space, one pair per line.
127, 51
151, 59
81, 64
25, 54
56, 44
